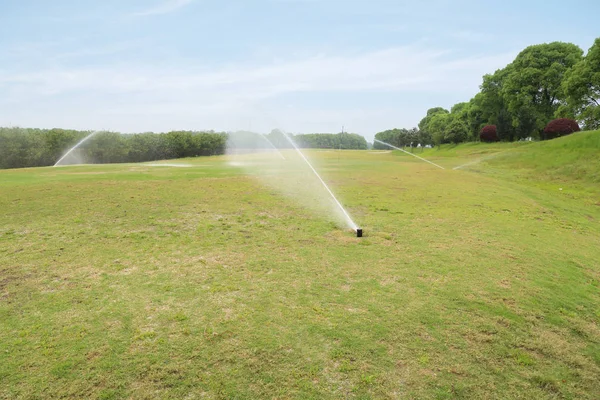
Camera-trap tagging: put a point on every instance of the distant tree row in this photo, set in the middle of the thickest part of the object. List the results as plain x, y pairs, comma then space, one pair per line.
342, 140
401, 138
21, 147
544, 82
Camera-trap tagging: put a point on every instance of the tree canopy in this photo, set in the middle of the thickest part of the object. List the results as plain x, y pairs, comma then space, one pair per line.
20, 147
581, 87
543, 82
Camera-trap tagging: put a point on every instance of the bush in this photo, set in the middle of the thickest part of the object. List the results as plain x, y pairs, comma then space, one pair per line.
560, 127
488, 134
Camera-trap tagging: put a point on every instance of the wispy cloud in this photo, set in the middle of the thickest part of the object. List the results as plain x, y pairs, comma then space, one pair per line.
394, 69
151, 96
165, 7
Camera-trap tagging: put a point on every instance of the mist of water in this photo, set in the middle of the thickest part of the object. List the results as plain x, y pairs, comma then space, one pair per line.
280, 165
82, 141
478, 160
349, 220
273, 146
409, 153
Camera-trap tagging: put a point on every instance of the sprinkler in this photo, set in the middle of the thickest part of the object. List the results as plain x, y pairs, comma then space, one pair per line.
358, 232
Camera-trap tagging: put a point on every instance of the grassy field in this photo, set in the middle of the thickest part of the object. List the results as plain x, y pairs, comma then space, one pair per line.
131, 281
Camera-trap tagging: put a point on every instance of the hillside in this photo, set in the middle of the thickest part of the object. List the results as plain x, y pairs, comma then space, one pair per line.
570, 162
571, 158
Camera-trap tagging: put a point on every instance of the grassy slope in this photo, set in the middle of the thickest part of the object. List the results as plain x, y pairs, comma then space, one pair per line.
128, 281
571, 162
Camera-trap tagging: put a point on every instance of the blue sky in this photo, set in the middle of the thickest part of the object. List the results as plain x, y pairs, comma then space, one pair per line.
299, 65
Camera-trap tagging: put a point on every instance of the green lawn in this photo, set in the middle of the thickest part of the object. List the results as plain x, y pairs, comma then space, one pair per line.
130, 281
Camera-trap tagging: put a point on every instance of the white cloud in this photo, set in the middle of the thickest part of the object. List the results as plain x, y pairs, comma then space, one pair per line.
142, 97
164, 8
402, 68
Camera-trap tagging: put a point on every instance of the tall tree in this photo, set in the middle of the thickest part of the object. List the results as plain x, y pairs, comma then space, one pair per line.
456, 130
434, 134
430, 113
582, 89
437, 127
493, 105
532, 85
475, 119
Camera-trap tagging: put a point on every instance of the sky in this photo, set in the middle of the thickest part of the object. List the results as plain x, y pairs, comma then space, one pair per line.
305, 66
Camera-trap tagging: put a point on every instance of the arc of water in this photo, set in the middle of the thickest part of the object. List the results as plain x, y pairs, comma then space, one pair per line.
348, 218
414, 155
76, 146
479, 160
468, 164
273, 146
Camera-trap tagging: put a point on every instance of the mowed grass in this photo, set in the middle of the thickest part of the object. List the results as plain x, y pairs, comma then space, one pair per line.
128, 281
571, 162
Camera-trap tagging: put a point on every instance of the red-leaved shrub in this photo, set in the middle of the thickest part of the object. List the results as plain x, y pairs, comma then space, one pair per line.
560, 127
488, 134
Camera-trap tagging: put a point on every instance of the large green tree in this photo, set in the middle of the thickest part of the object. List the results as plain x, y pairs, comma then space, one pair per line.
400, 138
437, 127
433, 132
430, 113
456, 130
493, 105
531, 86
474, 119
582, 90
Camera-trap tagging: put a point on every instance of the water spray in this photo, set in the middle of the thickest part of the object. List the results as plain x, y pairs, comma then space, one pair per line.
273, 146
355, 228
409, 153
76, 146
479, 160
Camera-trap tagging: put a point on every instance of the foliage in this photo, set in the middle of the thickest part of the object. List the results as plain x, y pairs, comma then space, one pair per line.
456, 130
342, 140
582, 88
488, 134
400, 138
437, 127
432, 125
21, 147
532, 86
470, 118
494, 106
560, 127
542, 82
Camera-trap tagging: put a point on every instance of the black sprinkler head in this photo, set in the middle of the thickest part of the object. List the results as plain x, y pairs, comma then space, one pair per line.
358, 232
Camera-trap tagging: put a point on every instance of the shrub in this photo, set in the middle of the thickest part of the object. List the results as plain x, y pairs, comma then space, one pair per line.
488, 134
560, 127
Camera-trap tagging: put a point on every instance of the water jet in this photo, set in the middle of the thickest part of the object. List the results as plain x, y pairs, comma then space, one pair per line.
409, 153
347, 217
82, 141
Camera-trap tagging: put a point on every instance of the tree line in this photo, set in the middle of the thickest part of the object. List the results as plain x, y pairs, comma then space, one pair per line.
340, 141
544, 82
20, 148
